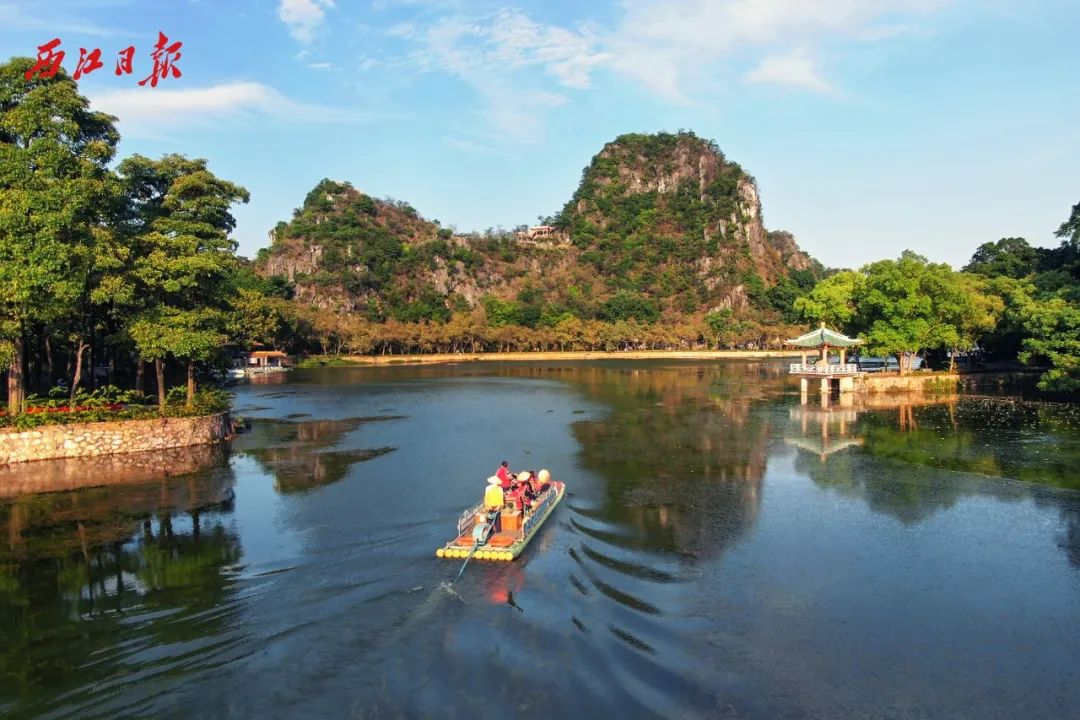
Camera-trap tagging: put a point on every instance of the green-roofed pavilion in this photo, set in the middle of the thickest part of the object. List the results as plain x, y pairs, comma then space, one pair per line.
824, 339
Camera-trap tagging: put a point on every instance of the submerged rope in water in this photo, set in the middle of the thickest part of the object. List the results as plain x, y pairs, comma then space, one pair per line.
476, 545
450, 589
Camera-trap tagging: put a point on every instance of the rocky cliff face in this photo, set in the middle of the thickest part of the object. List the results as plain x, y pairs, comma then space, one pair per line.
663, 222
674, 203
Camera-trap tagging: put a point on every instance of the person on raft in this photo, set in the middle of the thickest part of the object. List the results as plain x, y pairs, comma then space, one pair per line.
480, 527
505, 475
494, 499
530, 486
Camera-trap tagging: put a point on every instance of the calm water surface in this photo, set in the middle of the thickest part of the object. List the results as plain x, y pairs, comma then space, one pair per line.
725, 551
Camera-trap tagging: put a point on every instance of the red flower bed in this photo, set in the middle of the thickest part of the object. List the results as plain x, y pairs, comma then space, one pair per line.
112, 407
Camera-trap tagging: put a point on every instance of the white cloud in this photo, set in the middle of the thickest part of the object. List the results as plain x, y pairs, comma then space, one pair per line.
679, 49
479, 148
507, 41
155, 112
670, 46
794, 69
493, 54
303, 17
51, 21
402, 30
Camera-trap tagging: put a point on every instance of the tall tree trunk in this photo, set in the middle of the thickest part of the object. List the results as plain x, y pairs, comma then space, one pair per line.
191, 383
80, 348
50, 364
15, 376
44, 382
159, 370
92, 355
140, 376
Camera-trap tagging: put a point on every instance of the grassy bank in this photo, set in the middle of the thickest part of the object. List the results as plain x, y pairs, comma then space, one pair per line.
443, 358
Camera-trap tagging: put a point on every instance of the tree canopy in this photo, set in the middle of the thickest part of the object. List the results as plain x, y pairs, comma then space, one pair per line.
1012, 300
56, 191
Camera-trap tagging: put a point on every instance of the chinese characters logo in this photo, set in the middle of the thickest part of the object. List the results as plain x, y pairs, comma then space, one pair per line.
165, 55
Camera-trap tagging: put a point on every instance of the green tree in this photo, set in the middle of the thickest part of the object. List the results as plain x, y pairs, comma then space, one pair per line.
910, 305
258, 319
899, 311
782, 296
54, 188
185, 259
1009, 257
501, 312
627, 305
725, 329
976, 313
1068, 255
191, 335
832, 300
1053, 328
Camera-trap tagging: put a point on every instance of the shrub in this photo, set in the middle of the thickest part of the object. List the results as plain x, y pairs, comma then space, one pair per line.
110, 404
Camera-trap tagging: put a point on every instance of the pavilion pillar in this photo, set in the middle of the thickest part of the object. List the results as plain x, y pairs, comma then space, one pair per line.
843, 352
804, 385
825, 386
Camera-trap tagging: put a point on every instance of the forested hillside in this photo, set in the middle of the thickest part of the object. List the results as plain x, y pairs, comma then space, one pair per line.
123, 273
661, 228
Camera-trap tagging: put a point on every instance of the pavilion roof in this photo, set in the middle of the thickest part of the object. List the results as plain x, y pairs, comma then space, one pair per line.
823, 336
817, 446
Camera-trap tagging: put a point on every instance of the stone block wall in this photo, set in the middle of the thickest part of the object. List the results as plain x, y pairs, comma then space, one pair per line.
111, 438
917, 383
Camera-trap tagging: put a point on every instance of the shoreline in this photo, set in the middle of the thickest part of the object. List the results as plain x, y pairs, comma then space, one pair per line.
111, 437
450, 358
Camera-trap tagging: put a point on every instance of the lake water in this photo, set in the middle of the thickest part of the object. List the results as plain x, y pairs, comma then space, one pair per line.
724, 551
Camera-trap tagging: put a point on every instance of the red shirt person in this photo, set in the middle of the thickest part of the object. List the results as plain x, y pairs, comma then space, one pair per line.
506, 477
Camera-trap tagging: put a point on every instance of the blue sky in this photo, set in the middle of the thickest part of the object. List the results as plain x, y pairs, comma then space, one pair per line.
870, 125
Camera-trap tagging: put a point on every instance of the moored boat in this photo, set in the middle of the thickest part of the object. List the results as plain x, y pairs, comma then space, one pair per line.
514, 533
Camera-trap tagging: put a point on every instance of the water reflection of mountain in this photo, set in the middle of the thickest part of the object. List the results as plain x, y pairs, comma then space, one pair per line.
907, 443
299, 454
682, 449
90, 579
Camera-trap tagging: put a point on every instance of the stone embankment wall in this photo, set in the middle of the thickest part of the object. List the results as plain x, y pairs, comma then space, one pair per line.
111, 438
897, 384
945, 382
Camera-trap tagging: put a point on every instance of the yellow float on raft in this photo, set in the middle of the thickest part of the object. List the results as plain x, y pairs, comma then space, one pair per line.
508, 543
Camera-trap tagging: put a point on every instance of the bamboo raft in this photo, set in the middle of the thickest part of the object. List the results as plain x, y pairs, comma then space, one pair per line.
510, 541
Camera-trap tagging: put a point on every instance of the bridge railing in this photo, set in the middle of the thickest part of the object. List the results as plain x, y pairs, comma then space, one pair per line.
823, 369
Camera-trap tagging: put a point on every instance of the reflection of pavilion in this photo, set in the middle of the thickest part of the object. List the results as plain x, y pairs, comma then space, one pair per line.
827, 429
824, 430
